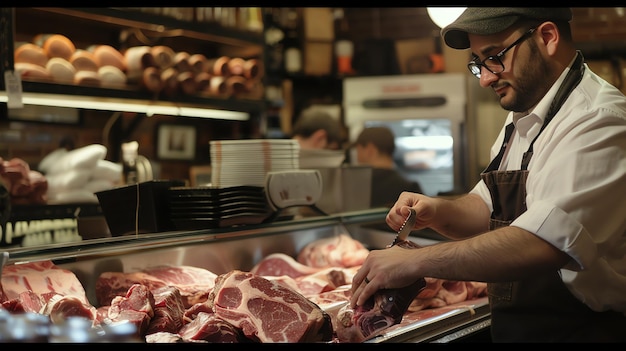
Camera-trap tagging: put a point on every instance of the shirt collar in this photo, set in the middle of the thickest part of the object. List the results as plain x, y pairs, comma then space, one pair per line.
539, 112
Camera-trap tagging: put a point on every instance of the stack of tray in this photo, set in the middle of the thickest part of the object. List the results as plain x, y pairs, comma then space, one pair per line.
194, 208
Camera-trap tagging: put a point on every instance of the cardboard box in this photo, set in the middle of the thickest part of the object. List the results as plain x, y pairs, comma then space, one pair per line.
318, 58
318, 23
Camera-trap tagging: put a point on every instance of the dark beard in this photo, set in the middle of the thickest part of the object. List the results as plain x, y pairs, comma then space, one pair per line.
531, 82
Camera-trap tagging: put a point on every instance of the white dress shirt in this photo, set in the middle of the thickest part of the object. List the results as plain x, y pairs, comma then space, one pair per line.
576, 186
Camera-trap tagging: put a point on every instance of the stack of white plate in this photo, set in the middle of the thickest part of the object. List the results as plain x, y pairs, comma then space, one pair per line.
246, 162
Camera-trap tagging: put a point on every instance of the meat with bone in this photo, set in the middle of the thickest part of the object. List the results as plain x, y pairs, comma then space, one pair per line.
168, 311
382, 310
337, 251
60, 307
266, 311
193, 283
137, 306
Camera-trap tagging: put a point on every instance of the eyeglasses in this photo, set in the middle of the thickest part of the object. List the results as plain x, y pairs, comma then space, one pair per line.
494, 63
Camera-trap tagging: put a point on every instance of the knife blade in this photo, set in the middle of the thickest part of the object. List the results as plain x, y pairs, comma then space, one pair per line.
406, 228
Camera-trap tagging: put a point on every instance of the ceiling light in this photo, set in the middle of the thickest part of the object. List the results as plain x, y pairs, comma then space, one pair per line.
442, 16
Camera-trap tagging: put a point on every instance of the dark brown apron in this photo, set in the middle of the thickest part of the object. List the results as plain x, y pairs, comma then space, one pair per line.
540, 308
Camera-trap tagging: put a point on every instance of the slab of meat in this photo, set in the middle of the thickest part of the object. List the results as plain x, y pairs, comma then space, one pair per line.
278, 264
267, 311
337, 251
42, 277
60, 307
382, 310
169, 310
193, 283
439, 293
136, 306
27, 301
209, 327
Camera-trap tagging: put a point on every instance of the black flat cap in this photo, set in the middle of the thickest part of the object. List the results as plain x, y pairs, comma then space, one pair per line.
492, 20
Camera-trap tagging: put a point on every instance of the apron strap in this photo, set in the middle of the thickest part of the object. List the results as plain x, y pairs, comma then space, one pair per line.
573, 77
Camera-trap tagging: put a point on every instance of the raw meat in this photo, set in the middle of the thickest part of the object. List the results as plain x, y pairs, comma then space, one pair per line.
60, 307
278, 264
439, 293
193, 283
267, 311
209, 327
337, 251
136, 306
42, 277
168, 310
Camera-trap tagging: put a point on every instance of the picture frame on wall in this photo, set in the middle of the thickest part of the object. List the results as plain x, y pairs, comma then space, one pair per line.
176, 142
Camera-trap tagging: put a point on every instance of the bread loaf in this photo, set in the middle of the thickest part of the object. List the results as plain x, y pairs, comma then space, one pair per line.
84, 60
88, 78
111, 77
30, 53
31, 71
106, 55
56, 45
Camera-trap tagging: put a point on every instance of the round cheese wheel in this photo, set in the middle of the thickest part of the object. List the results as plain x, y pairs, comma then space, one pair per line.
84, 60
31, 71
90, 78
62, 70
111, 77
106, 55
57, 45
30, 53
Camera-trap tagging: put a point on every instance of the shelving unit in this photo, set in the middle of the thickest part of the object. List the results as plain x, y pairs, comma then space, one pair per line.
115, 27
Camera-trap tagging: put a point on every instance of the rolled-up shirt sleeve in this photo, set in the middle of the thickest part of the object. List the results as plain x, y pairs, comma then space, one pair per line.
575, 188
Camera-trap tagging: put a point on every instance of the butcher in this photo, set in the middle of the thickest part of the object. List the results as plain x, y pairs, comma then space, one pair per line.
545, 225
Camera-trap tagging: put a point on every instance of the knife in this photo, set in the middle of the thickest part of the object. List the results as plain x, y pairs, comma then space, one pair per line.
406, 228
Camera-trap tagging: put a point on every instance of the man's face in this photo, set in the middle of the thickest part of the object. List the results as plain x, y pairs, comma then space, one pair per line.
521, 84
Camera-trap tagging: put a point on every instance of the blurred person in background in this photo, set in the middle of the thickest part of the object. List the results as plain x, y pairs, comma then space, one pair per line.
317, 129
545, 225
374, 147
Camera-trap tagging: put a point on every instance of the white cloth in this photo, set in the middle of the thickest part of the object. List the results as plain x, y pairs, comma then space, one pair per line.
85, 157
576, 186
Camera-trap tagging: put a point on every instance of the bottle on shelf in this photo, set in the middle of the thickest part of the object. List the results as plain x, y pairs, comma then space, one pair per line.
130, 153
293, 52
